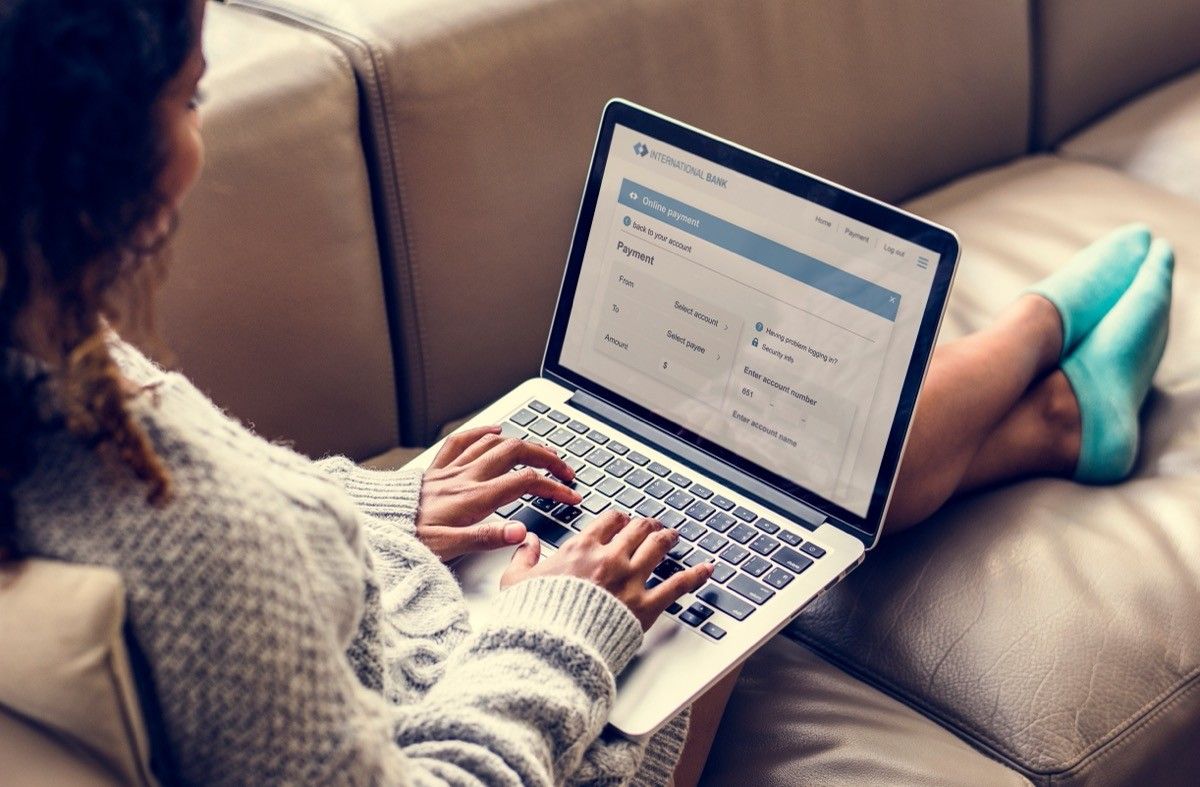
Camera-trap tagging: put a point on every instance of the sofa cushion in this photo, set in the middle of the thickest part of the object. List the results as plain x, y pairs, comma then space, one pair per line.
483, 115
1056, 626
69, 711
795, 719
1155, 138
274, 304
1093, 55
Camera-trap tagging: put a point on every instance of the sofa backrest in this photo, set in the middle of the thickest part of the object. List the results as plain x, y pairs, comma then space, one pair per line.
275, 299
69, 706
1092, 55
481, 118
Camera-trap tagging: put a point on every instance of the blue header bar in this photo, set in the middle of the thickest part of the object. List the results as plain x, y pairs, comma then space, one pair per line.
799, 266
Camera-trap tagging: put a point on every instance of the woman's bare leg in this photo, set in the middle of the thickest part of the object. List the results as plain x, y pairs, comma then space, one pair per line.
706, 717
973, 385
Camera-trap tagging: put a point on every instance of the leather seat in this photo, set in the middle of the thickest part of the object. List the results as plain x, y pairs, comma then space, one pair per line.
1055, 626
797, 719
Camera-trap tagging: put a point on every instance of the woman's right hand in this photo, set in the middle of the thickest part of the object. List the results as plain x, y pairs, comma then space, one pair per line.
617, 554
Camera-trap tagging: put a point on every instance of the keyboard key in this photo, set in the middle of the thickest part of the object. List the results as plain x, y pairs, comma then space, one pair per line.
722, 572
755, 566
722, 502
699, 510
638, 478
702, 492
721, 522
594, 503
630, 497
579, 427
699, 609
509, 429
725, 601
742, 533
659, 489
791, 559
620, 449
638, 459
680, 550
667, 569
788, 537
777, 578
671, 518
677, 479
610, 487
588, 475
679, 500
574, 463
649, 508
764, 544
523, 418
767, 526
714, 543
561, 437
653, 582
566, 514
579, 446
546, 528
658, 468
507, 511
756, 592
812, 549
538, 407
599, 457
598, 437
745, 514
735, 554
545, 504
690, 618
618, 467
697, 557
713, 630
558, 417
691, 531
674, 608
542, 427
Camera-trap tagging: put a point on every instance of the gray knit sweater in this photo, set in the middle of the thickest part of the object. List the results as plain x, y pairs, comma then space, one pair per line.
299, 633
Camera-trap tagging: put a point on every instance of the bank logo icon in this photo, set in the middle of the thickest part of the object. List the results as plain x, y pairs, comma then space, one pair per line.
641, 149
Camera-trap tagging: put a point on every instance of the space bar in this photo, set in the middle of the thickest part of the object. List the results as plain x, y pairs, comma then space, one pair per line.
546, 528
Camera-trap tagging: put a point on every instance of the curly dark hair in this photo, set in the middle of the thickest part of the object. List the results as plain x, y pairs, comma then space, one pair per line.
81, 154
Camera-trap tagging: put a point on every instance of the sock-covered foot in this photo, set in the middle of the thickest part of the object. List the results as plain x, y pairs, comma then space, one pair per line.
1087, 287
1111, 370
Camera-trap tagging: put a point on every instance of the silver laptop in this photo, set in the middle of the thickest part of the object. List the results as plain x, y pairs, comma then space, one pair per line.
737, 350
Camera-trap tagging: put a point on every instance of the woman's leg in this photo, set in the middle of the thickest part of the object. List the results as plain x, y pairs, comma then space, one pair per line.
706, 717
974, 386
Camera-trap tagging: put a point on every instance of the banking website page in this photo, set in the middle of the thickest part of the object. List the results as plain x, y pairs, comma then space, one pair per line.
765, 323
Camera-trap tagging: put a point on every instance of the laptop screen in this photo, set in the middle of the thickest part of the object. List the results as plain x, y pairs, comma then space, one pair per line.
764, 313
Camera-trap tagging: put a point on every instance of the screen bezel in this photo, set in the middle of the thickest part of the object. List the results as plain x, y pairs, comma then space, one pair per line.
806, 186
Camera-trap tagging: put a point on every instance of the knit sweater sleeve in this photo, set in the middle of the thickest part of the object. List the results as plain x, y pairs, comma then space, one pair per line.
278, 701
390, 495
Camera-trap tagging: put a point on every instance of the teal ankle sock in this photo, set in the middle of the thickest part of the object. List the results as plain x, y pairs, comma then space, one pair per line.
1111, 370
1087, 287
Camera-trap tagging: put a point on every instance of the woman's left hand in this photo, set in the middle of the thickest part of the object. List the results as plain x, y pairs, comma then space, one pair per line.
471, 477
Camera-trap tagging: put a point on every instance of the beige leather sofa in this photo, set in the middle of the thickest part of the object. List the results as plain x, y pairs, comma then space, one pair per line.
375, 251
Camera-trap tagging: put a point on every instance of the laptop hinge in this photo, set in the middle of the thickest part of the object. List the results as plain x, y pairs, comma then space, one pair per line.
702, 462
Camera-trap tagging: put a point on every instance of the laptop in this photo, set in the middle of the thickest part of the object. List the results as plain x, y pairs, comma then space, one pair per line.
736, 351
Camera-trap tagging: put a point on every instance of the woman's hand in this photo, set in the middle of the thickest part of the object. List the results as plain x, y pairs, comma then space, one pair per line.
471, 477
618, 555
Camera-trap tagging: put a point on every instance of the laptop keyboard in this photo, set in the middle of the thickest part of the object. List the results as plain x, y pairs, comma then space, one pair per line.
753, 556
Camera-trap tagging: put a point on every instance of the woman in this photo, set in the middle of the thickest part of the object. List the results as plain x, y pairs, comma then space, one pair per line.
298, 622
